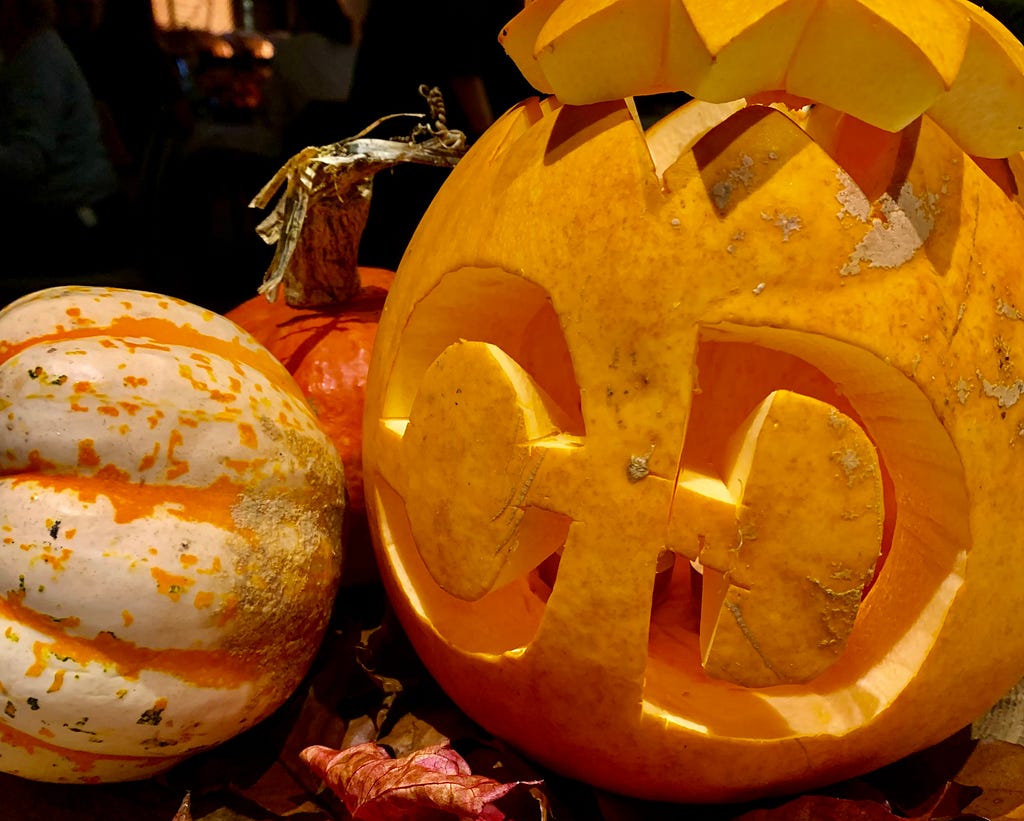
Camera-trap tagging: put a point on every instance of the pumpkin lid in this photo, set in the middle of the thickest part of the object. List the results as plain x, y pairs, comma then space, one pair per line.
883, 62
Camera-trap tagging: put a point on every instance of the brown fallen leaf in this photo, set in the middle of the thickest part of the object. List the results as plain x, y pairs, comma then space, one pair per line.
949, 803
822, 808
184, 812
997, 769
377, 787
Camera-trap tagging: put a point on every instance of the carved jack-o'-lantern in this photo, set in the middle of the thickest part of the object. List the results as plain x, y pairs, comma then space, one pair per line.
693, 455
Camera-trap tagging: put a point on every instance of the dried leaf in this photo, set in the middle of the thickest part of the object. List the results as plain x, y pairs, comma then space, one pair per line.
822, 808
377, 787
950, 802
913, 785
184, 812
412, 732
1005, 721
997, 768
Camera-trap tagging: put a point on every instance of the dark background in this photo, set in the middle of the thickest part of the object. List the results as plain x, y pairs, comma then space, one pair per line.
188, 229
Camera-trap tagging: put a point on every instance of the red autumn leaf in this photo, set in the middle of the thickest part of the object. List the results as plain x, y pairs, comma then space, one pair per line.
377, 787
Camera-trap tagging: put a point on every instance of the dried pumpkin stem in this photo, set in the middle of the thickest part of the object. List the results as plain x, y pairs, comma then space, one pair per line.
318, 221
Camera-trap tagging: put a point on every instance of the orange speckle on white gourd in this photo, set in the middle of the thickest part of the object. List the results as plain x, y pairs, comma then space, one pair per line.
56, 561
170, 584
58, 681
247, 436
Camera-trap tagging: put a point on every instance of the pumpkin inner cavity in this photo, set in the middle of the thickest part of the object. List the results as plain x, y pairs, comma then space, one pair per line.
504, 329
779, 542
924, 537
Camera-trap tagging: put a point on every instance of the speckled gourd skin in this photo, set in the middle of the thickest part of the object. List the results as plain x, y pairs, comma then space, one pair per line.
171, 519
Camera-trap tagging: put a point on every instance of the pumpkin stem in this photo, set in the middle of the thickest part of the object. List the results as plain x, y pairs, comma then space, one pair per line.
319, 219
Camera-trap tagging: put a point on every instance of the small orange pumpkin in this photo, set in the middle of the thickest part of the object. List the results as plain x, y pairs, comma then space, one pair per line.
692, 453
319, 309
327, 350
171, 515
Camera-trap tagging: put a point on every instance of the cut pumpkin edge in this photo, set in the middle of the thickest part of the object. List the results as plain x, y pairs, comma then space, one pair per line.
589, 51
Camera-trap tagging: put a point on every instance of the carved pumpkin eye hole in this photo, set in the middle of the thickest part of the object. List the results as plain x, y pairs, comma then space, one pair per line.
484, 365
491, 306
733, 379
770, 581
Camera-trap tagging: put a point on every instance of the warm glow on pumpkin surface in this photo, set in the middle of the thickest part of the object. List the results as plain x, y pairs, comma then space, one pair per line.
612, 360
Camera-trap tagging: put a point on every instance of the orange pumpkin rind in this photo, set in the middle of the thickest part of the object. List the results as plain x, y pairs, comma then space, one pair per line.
654, 288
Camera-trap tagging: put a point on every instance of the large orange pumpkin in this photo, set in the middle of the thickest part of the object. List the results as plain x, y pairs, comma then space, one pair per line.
692, 455
171, 517
327, 350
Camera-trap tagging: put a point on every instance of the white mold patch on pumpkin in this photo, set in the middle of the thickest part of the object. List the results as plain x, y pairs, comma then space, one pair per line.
1008, 310
740, 176
852, 200
1007, 395
963, 389
787, 223
897, 227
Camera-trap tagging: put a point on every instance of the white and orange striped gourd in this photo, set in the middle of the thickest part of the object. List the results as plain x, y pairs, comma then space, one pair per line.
170, 533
